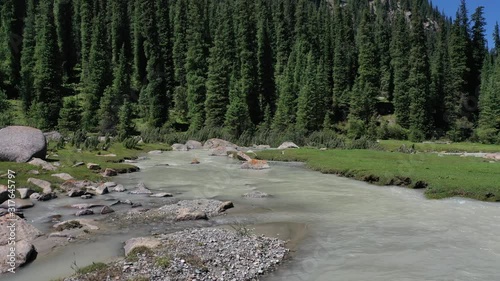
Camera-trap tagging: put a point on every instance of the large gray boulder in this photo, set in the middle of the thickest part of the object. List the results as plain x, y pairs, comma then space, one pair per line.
20, 144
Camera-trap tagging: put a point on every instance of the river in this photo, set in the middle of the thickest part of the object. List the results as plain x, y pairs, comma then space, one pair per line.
340, 229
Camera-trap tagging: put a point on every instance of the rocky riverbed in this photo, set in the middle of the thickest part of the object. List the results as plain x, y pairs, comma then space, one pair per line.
197, 254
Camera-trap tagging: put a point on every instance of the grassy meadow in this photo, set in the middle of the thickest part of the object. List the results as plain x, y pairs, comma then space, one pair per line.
444, 177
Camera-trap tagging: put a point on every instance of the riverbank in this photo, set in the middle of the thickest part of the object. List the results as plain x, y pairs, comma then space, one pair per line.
441, 176
74, 162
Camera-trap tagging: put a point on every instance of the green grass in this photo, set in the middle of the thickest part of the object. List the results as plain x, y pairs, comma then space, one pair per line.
141, 250
94, 267
446, 176
393, 145
163, 262
68, 156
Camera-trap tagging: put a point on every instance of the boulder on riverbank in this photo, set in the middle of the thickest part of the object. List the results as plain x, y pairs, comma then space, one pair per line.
192, 144
215, 143
20, 144
287, 145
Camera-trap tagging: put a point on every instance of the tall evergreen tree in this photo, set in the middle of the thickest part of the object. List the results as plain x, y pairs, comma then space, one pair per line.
367, 83
28, 56
64, 22
399, 52
47, 99
265, 68
245, 37
457, 100
237, 115
220, 68
418, 82
179, 58
114, 96
98, 74
196, 65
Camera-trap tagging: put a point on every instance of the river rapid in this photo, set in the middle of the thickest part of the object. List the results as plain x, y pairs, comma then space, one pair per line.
339, 229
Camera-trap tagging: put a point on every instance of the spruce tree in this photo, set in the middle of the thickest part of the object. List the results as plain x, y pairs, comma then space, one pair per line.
71, 116
98, 76
265, 67
457, 100
237, 116
27, 57
418, 82
5, 108
179, 60
47, 99
496, 39
367, 83
126, 125
220, 69
114, 95
64, 22
11, 25
245, 37
196, 65
400, 52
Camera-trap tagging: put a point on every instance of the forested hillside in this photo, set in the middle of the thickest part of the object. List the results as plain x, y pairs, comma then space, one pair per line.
380, 69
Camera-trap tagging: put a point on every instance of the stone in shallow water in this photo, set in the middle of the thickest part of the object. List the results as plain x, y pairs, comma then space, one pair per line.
85, 212
141, 189
163, 194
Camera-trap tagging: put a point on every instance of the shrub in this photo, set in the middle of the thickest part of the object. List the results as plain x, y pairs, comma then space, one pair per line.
131, 143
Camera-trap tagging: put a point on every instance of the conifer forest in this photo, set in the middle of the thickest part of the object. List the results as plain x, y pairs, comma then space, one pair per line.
386, 69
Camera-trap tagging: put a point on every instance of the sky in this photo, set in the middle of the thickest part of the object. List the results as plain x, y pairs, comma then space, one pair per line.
491, 12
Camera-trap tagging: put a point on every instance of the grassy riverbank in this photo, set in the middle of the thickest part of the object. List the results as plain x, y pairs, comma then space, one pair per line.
68, 156
444, 176
394, 145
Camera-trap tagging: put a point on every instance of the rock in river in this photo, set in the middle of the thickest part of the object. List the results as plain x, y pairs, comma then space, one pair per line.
20, 144
141, 189
45, 185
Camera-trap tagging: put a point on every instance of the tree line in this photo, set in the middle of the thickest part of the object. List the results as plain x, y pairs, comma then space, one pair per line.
382, 68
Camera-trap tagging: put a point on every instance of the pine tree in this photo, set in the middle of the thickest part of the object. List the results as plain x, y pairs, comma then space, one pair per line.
71, 116
220, 69
47, 75
179, 59
265, 68
86, 36
496, 39
64, 21
457, 100
383, 39
418, 82
27, 57
126, 125
98, 76
196, 65
154, 97
114, 95
11, 43
120, 31
311, 101
367, 82
245, 37
399, 53
6, 116
237, 115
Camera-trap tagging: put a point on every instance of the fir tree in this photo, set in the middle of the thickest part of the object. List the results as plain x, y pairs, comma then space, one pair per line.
418, 82
47, 77
98, 76
27, 57
219, 71
71, 116
196, 65
367, 82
